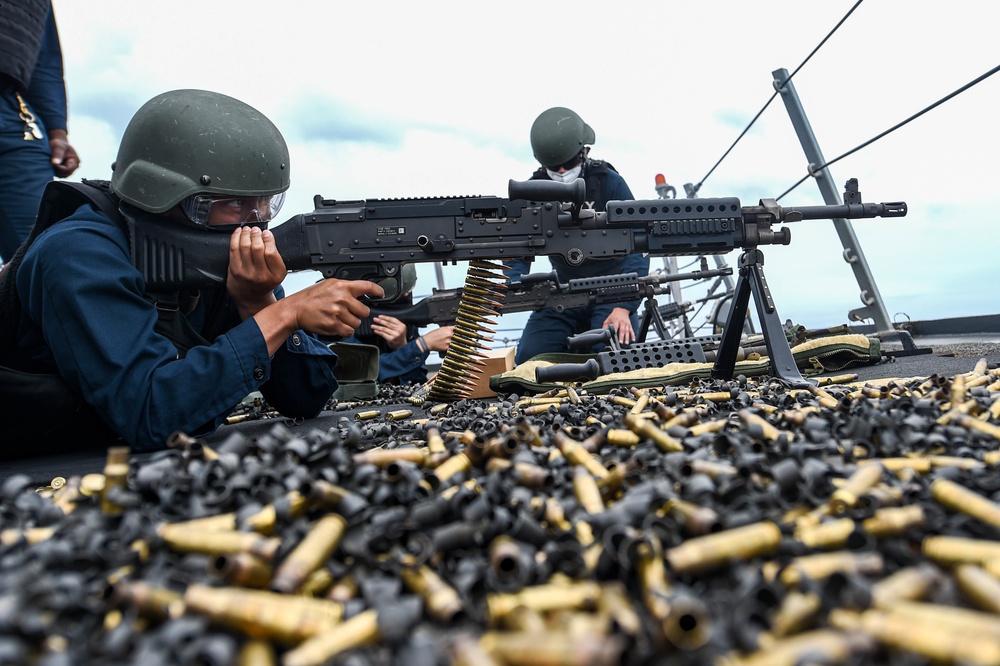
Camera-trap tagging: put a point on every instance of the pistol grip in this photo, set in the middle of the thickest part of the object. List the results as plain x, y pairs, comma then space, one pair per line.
568, 372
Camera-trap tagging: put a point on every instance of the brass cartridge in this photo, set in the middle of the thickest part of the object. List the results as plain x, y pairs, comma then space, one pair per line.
263, 614
823, 565
526, 649
224, 522
317, 583
583, 594
29, 535
867, 476
384, 457
616, 604
554, 514
360, 630
822, 646
115, 477
979, 587
715, 550
265, 520
908, 584
67, 496
796, 613
523, 618
647, 430
934, 636
456, 464
948, 550
894, 521
619, 437
921, 465
984, 427
684, 620
961, 499
440, 599
367, 415
187, 540
344, 589
241, 570
759, 428
829, 535
586, 490
578, 455
312, 552
256, 652
151, 601
466, 651
695, 519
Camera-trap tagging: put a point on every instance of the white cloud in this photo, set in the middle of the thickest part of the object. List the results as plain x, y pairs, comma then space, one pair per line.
454, 86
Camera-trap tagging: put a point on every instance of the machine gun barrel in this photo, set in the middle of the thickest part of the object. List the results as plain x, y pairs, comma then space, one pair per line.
371, 239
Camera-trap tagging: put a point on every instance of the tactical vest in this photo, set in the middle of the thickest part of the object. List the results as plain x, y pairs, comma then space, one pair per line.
594, 174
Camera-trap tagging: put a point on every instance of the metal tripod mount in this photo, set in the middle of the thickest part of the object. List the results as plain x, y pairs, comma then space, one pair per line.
751, 281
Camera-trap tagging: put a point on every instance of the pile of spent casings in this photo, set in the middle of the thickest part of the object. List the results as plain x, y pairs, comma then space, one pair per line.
727, 522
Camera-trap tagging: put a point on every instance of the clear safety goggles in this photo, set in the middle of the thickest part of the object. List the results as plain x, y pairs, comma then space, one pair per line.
248, 209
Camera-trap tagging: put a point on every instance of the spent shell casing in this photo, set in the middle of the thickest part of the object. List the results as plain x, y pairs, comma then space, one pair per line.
825, 646
214, 542
466, 651
823, 565
959, 498
693, 518
831, 534
797, 611
383, 457
684, 620
578, 455
583, 594
456, 464
360, 630
616, 604
440, 599
894, 521
867, 476
587, 493
937, 640
263, 614
557, 647
241, 570
979, 587
367, 415
115, 478
256, 652
644, 428
151, 601
908, 584
949, 550
312, 552
715, 550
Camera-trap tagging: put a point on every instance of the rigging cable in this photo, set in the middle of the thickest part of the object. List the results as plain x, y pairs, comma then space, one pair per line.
775, 94
815, 169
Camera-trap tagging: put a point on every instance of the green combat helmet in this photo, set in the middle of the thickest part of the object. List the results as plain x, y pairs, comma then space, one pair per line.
558, 135
187, 142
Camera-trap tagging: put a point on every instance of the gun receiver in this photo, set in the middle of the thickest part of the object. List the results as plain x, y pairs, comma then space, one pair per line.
539, 291
370, 239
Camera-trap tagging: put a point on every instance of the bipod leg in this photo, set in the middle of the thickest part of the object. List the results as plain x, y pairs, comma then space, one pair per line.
732, 332
782, 362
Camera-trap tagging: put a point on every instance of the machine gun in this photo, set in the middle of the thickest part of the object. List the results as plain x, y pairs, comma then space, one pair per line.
538, 291
371, 239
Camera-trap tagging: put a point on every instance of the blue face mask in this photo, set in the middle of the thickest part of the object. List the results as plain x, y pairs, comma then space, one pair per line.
566, 176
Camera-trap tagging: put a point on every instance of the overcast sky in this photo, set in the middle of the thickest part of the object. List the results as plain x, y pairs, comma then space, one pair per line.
405, 99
